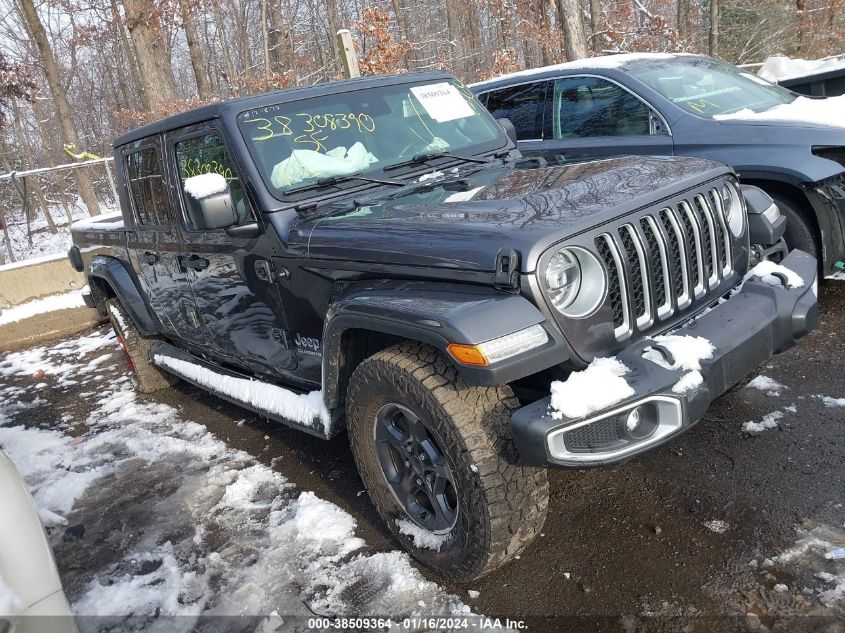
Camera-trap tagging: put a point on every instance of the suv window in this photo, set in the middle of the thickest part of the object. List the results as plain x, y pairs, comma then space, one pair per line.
205, 154
146, 186
590, 106
523, 105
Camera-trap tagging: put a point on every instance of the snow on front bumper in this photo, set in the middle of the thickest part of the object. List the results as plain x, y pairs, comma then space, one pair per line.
670, 389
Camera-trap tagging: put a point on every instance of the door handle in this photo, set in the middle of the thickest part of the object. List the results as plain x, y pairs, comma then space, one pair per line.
149, 258
194, 261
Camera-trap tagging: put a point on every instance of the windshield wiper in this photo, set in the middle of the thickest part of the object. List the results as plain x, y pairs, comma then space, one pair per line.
418, 159
335, 180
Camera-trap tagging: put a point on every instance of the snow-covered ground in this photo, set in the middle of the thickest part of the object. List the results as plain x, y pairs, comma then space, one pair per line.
177, 522
43, 242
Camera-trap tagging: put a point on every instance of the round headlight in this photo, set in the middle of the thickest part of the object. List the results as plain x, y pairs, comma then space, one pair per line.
575, 282
734, 207
563, 278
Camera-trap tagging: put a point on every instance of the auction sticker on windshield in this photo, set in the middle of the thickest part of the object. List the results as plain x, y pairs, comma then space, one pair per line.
443, 102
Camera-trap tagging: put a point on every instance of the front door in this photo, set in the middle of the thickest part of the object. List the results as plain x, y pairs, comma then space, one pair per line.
154, 242
590, 117
231, 276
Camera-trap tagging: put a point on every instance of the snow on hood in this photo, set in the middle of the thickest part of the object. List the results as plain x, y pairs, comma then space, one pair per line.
830, 111
780, 67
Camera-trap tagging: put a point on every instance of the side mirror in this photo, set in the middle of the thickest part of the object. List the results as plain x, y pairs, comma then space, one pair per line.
209, 203
508, 127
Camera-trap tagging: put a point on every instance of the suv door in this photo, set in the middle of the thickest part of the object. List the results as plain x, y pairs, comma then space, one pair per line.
231, 276
524, 105
592, 117
154, 243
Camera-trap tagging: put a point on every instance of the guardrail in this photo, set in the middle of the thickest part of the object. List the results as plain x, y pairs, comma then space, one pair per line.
48, 191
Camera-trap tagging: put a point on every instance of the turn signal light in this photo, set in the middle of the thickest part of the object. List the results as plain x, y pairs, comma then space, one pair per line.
467, 354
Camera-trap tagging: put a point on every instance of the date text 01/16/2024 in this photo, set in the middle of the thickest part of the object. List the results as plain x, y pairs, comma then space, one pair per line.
417, 623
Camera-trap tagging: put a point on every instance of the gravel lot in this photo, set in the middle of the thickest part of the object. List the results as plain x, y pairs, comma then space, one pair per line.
695, 536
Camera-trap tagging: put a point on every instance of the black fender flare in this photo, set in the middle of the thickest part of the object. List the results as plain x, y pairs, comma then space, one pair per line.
114, 273
437, 314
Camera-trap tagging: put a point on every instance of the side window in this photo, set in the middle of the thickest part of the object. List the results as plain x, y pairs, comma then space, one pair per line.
590, 106
523, 105
146, 186
208, 154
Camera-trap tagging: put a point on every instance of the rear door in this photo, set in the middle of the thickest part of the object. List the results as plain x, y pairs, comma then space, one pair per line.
231, 276
154, 242
588, 117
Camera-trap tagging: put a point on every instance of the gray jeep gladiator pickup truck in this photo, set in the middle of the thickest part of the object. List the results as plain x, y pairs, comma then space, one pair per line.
374, 255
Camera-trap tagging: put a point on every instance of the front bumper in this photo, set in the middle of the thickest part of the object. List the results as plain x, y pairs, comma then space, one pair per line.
747, 329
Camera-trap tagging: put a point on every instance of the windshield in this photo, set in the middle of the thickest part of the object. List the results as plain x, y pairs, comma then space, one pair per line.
364, 131
707, 87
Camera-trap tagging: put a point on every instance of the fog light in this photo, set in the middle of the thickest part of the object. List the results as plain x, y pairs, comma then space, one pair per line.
633, 420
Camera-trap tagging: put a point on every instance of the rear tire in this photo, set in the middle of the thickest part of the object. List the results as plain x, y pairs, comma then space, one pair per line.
499, 504
800, 230
136, 348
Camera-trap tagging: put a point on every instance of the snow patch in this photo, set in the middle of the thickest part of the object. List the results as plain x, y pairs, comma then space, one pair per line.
826, 112
688, 351
40, 306
717, 525
766, 272
812, 552
780, 67
831, 403
422, 538
105, 222
205, 185
599, 386
763, 383
769, 421
302, 408
690, 381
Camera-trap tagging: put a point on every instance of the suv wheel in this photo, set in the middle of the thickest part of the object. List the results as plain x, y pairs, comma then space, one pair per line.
800, 233
438, 462
136, 349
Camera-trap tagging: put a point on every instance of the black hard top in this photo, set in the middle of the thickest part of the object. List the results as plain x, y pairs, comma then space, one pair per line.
219, 110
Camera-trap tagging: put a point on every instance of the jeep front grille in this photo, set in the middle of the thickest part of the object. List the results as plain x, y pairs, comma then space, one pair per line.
665, 262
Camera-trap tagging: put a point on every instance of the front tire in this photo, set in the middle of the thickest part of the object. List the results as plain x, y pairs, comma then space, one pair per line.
438, 462
136, 349
800, 231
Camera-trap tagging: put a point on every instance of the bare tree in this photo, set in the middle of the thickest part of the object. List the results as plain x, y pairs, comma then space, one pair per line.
57, 89
572, 24
144, 23
713, 34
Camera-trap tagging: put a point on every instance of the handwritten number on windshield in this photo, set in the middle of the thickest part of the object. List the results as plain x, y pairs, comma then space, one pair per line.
314, 128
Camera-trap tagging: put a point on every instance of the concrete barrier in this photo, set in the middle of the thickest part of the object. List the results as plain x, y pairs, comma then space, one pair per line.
35, 279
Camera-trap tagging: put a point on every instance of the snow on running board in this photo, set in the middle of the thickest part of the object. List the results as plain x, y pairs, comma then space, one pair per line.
304, 409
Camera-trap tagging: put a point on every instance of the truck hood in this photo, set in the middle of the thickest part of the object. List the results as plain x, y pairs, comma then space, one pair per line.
462, 222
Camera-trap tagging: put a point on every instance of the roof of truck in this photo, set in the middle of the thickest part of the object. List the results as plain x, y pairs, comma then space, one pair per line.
217, 110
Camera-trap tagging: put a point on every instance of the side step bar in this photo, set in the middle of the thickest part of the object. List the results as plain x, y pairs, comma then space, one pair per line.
303, 411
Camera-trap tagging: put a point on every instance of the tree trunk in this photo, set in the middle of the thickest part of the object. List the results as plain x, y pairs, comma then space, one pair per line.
194, 51
334, 26
596, 25
575, 40
153, 53
228, 64
713, 39
57, 90
129, 52
681, 20
403, 29
454, 35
